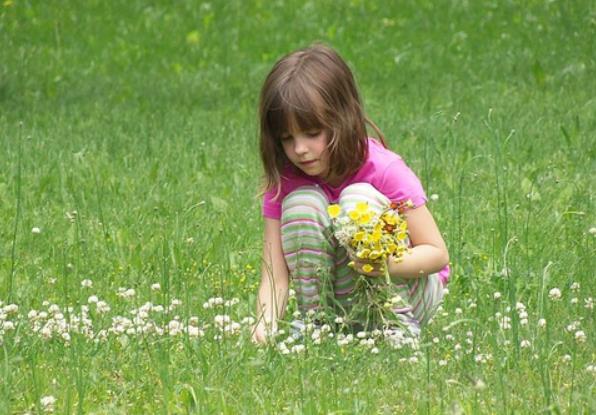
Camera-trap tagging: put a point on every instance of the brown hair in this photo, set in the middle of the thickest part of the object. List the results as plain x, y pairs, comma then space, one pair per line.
313, 88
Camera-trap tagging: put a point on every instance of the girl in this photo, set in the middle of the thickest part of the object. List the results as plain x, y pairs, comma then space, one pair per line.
315, 151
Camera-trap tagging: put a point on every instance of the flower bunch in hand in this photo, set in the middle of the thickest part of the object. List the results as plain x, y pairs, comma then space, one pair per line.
372, 238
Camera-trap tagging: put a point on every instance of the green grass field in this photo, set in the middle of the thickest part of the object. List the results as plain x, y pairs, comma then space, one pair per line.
129, 158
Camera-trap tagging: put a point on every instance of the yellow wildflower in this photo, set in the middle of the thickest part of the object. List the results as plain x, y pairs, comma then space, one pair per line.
367, 268
354, 215
374, 254
363, 253
364, 218
362, 207
333, 211
359, 236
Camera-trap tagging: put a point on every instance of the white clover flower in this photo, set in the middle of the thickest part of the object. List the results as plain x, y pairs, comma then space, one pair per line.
591, 368
554, 294
11, 308
86, 283
524, 344
7, 325
413, 359
589, 303
575, 286
445, 291
574, 300
291, 293
361, 334
155, 286
298, 348
573, 326
592, 230
434, 197
47, 403
566, 358
458, 311
542, 323
35, 230
174, 327
339, 320
496, 295
102, 307
442, 362
374, 350
580, 336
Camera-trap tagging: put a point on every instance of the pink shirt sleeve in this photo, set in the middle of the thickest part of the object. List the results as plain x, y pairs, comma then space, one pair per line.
271, 206
399, 183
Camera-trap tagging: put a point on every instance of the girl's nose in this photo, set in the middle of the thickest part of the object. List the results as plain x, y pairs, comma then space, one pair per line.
300, 146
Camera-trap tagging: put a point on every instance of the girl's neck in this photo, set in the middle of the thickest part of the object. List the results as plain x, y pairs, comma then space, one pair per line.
332, 180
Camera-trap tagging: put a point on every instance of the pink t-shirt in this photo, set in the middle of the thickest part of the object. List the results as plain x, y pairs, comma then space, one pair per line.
383, 169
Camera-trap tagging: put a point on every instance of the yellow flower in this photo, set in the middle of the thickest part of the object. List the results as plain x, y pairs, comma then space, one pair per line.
354, 215
389, 218
376, 236
374, 254
401, 235
362, 207
367, 268
359, 236
333, 211
364, 253
364, 218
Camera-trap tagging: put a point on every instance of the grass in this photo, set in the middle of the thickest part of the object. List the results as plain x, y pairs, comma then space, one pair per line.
141, 118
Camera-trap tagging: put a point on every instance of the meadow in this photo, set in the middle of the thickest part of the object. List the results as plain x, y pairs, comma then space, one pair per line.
130, 224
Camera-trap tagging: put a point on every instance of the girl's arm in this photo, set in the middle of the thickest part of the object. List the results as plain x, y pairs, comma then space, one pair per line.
428, 254
273, 292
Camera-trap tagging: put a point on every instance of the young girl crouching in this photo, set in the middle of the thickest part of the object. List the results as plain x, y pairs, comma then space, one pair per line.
315, 152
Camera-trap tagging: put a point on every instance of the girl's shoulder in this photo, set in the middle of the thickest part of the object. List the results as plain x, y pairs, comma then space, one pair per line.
380, 155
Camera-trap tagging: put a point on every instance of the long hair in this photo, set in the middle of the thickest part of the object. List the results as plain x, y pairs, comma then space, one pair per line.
313, 89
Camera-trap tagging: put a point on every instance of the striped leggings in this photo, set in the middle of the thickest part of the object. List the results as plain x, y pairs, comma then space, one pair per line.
319, 266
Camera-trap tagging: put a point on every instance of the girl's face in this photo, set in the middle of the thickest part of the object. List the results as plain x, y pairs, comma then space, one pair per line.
308, 151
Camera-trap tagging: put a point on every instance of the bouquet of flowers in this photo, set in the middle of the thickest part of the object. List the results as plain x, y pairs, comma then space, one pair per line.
373, 237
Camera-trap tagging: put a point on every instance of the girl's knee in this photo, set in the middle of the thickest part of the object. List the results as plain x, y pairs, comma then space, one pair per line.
363, 192
306, 204
305, 196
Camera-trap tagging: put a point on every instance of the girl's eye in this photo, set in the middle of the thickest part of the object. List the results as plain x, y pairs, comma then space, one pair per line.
313, 133
285, 137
